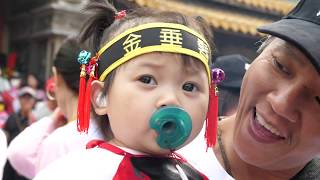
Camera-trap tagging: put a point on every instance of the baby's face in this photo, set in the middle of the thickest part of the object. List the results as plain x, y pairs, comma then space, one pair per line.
147, 83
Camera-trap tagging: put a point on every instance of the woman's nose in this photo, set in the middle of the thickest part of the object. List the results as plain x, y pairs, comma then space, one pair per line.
286, 101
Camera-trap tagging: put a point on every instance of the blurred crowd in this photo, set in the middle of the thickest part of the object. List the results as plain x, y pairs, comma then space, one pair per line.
23, 101
262, 132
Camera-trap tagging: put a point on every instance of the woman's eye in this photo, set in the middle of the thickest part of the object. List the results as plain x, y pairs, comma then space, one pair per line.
189, 87
146, 79
280, 67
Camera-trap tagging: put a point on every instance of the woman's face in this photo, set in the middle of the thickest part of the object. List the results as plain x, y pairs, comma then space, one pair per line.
148, 83
278, 120
27, 102
60, 91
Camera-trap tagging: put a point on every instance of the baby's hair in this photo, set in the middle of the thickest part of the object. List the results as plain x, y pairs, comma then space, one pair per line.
102, 27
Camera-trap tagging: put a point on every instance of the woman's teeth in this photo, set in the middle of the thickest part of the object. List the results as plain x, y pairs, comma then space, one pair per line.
263, 123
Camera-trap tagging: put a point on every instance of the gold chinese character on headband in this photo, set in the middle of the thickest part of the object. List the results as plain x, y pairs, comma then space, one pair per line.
171, 36
132, 42
203, 48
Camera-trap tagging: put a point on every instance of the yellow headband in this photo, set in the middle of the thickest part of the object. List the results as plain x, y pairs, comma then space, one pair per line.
153, 37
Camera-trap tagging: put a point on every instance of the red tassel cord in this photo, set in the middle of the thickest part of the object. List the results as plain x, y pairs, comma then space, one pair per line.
212, 117
82, 86
87, 105
87, 102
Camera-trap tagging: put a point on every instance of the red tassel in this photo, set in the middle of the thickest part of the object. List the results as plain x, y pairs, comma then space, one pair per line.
87, 107
82, 86
212, 117
87, 102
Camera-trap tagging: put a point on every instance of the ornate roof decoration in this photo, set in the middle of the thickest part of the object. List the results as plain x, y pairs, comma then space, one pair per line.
281, 6
218, 19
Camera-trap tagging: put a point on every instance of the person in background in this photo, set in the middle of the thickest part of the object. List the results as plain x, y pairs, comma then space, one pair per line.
31, 80
5, 99
234, 67
55, 135
11, 96
3, 151
17, 122
34, 82
4, 83
3, 113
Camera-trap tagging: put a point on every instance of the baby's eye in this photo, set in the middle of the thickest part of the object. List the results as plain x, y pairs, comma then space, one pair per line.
189, 87
280, 67
147, 79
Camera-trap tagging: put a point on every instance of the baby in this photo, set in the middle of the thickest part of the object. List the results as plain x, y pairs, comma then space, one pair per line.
151, 83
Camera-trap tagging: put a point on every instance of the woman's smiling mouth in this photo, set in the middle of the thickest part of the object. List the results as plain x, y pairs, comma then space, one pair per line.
262, 131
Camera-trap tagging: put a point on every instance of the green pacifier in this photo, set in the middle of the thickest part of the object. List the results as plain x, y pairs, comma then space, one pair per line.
173, 126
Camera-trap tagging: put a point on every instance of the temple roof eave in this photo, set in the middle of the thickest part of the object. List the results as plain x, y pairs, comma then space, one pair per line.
217, 18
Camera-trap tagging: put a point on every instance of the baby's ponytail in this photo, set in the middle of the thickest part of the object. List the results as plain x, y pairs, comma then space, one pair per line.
103, 17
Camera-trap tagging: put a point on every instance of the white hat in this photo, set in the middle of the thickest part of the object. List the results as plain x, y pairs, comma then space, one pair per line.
27, 90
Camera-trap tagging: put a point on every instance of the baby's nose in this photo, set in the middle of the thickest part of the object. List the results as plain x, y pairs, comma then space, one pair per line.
169, 98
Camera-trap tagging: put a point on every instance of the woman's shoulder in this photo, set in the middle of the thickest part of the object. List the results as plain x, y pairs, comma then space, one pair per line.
62, 134
74, 137
2, 136
311, 171
86, 164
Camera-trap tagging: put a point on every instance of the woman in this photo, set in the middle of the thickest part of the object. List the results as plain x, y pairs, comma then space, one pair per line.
54, 135
275, 131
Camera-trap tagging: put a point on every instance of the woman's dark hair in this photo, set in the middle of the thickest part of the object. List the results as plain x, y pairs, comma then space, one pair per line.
67, 65
264, 42
101, 27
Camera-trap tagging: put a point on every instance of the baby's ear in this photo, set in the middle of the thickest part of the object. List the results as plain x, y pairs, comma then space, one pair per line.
98, 100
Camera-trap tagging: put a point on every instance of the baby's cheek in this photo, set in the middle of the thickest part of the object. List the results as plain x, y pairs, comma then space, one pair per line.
196, 128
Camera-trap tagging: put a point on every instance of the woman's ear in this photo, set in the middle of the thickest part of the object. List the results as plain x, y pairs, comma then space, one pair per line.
98, 100
55, 76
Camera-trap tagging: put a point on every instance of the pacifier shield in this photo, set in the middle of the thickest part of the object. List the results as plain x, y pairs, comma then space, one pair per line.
173, 125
